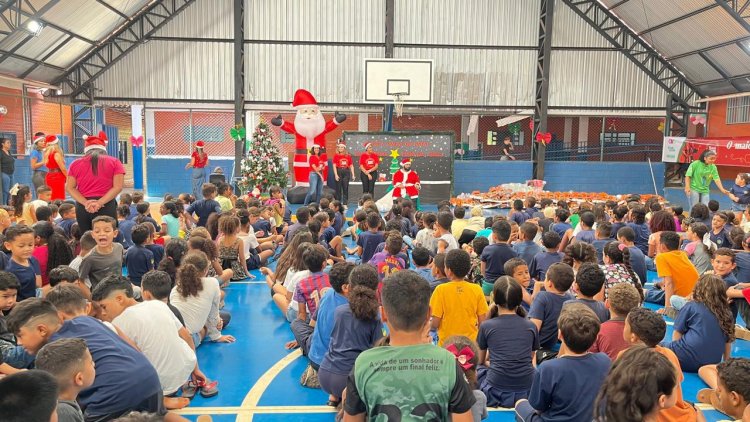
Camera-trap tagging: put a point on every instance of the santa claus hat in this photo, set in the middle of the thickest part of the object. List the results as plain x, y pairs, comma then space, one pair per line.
368, 145
39, 139
405, 161
51, 139
95, 142
200, 144
303, 98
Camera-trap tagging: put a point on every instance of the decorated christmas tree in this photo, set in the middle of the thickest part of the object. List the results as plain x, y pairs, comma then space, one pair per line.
262, 166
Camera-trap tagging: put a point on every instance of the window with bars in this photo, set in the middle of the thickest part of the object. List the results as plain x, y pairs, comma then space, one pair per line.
738, 110
619, 139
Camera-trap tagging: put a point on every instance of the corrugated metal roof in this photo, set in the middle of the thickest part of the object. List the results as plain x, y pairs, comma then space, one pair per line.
569, 30
332, 73
732, 58
330, 20
479, 77
600, 79
475, 22
172, 70
204, 19
643, 14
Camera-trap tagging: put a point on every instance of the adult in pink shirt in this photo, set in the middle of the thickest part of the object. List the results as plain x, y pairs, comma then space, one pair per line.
94, 181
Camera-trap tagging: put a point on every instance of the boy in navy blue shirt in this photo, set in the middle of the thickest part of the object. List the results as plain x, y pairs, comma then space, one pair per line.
564, 389
626, 236
133, 204
618, 215
739, 193
261, 226
157, 250
561, 225
719, 233
547, 304
144, 215
138, 259
589, 282
19, 240
125, 381
495, 255
602, 236
518, 214
204, 207
68, 218
124, 227
422, 260
587, 232
640, 228
368, 241
542, 261
527, 249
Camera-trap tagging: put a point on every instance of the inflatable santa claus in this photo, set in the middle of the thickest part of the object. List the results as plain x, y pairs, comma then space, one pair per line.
406, 183
309, 128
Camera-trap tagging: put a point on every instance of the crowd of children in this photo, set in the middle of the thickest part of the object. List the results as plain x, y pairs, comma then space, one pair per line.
541, 310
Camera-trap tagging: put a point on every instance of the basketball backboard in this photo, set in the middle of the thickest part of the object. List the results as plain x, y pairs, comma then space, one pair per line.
411, 80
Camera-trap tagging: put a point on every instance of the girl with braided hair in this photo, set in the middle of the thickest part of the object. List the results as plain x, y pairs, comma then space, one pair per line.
617, 269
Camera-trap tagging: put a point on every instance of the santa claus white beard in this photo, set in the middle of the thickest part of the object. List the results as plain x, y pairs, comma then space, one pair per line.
309, 128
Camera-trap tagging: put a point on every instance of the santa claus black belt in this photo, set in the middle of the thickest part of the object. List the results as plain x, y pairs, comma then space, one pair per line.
300, 151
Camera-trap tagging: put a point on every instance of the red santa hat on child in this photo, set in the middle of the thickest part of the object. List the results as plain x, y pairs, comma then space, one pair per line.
303, 98
200, 144
95, 142
368, 145
39, 139
51, 139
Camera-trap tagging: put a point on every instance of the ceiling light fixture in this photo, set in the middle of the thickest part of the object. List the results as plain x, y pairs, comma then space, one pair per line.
34, 27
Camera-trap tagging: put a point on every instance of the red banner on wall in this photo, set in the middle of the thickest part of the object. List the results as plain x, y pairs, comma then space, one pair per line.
729, 151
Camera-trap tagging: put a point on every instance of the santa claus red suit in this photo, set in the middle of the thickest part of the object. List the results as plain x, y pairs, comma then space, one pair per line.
309, 128
406, 183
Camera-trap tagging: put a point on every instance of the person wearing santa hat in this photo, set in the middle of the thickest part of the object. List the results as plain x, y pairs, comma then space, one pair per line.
317, 168
406, 183
38, 177
94, 181
8, 167
368, 168
309, 128
198, 162
343, 170
54, 159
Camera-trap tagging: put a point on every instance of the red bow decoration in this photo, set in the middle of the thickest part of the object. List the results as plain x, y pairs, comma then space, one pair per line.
137, 142
463, 357
544, 138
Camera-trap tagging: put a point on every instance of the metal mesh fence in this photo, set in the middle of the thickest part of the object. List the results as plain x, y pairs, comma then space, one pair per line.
176, 132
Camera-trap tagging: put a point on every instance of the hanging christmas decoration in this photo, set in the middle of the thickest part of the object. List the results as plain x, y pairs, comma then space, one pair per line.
660, 128
544, 138
137, 142
514, 128
531, 124
698, 120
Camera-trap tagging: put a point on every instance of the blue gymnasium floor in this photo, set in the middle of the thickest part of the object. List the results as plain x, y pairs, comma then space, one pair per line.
258, 378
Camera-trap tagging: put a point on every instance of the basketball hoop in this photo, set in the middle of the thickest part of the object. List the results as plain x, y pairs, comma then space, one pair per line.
398, 104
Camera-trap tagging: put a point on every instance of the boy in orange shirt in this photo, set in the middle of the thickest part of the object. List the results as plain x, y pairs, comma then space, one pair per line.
678, 273
644, 326
458, 307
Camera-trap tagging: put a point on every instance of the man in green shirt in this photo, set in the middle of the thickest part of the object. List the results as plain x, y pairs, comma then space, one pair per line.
410, 379
699, 176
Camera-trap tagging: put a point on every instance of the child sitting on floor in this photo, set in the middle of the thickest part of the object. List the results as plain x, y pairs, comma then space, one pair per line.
422, 263
548, 303
507, 340
475, 251
729, 386
389, 261
526, 248
496, 254
645, 327
231, 249
704, 327
138, 259
369, 390
467, 355
678, 273
125, 226
519, 271
438, 271
356, 326
106, 258
618, 269
601, 238
425, 236
542, 261
565, 388
71, 363
369, 240
20, 241
458, 307
589, 282
445, 240
51, 249
622, 299
652, 373
256, 254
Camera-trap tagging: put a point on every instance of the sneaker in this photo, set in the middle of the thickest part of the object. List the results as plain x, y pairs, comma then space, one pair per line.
741, 332
309, 378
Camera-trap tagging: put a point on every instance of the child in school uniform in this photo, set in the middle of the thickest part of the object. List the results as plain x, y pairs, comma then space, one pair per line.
125, 226
589, 282
602, 236
138, 259
519, 271
458, 307
496, 254
71, 363
645, 327
203, 208
507, 340
19, 240
526, 248
704, 327
422, 263
622, 299
369, 240
548, 303
565, 388
438, 271
542, 261
106, 257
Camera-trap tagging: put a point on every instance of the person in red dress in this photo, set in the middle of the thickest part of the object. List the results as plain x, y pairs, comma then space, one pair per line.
57, 173
317, 168
406, 183
199, 163
343, 170
368, 167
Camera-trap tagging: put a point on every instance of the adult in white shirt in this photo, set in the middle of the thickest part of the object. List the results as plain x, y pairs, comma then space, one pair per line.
155, 330
197, 297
